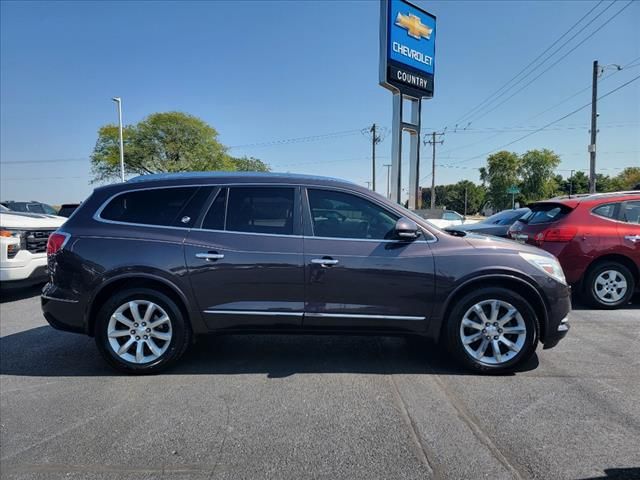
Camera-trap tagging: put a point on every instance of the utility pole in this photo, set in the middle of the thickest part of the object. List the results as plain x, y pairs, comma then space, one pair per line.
118, 101
388, 165
465, 201
594, 131
433, 143
374, 140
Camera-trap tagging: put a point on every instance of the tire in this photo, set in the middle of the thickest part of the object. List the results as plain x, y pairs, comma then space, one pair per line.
170, 336
522, 326
608, 275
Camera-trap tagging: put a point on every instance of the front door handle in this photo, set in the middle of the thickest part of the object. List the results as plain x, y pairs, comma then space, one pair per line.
325, 262
210, 256
633, 238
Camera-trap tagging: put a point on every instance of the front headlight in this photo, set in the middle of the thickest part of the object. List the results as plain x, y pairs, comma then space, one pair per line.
11, 232
13, 248
548, 265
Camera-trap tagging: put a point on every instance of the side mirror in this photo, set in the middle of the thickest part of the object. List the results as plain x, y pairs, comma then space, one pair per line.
406, 229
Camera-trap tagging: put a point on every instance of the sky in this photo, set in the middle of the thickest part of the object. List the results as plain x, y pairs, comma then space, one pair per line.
268, 75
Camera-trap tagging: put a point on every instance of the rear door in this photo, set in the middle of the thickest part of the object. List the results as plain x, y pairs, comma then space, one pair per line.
245, 258
629, 230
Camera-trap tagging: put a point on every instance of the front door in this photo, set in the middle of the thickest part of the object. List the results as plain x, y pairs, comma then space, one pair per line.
629, 229
245, 263
358, 275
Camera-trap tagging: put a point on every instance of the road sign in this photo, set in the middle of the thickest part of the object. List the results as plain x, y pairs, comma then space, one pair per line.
513, 190
407, 48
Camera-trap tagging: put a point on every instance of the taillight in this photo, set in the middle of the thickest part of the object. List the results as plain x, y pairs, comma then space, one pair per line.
556, 234
56, 242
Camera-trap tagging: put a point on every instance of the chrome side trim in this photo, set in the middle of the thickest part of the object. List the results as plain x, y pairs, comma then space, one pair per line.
59, 299
363, 316
256, 312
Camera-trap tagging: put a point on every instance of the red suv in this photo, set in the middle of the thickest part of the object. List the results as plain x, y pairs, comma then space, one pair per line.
595, 237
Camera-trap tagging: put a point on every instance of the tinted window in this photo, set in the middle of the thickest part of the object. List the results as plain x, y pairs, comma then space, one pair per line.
214, 220
342, 215
260, 210
610, 210
451, 216
545, 214
631, 212
159, 206
506, 217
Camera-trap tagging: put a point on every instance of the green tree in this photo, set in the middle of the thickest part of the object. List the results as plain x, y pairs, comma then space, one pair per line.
475, 197
164, 142
536, 170
250, 164
628, 179
500, 173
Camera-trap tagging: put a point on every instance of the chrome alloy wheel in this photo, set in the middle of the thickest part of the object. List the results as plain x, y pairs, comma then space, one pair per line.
610, 286
139, 331
493, 332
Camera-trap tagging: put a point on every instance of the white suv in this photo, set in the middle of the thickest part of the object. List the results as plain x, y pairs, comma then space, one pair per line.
23, 246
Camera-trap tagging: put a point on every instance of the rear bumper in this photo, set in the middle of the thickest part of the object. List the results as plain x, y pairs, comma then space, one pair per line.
62, 313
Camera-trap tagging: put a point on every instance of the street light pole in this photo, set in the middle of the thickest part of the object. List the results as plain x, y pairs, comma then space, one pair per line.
118, 101
388, 178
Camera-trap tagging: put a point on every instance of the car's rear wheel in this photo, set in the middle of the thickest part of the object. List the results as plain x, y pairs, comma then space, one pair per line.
141, 331
492, 330
609, 285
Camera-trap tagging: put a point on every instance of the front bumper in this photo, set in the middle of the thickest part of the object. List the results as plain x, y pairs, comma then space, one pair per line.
60, 312
558, 315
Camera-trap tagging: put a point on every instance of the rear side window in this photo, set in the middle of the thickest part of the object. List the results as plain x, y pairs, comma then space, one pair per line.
260, 210
609, 210
545, 214
158, 206
631, 212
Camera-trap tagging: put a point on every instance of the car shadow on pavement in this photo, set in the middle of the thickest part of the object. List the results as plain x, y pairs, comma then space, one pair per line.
632, 473
13, 294
43, 351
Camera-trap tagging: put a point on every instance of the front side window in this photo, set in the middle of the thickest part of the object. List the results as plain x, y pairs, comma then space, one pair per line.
343, 215
631, 212
260, 210
609, 210
158, 206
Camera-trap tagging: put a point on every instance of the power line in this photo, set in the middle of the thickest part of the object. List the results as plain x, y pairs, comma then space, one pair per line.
550, 123
287, 141
488, 99
588, 37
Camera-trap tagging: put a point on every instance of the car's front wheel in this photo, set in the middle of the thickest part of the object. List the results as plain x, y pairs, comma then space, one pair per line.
141, 331
492, 330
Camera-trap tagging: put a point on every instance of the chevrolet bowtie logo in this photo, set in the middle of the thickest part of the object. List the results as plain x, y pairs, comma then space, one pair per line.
414, 26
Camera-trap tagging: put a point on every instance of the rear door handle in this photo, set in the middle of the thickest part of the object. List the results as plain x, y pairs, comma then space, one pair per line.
325, 262
633, 238
210, 256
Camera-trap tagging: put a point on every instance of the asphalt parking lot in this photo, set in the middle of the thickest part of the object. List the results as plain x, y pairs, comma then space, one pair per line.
318, 407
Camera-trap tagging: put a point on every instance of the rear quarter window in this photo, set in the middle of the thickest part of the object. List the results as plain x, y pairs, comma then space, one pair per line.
158, 206
608, 210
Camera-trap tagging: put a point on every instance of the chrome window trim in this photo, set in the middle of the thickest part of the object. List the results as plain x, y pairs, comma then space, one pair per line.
96, 216
614, 220
364, 316
252, 312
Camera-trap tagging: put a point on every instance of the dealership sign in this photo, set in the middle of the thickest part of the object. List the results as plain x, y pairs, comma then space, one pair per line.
407, 48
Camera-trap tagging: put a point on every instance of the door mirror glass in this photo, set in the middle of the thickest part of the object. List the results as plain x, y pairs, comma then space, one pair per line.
406, 229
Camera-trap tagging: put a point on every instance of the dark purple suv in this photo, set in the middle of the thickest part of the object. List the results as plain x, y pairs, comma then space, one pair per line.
146, 265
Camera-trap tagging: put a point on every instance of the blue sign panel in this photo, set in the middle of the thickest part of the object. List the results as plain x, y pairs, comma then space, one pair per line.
407, 40
412, 36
